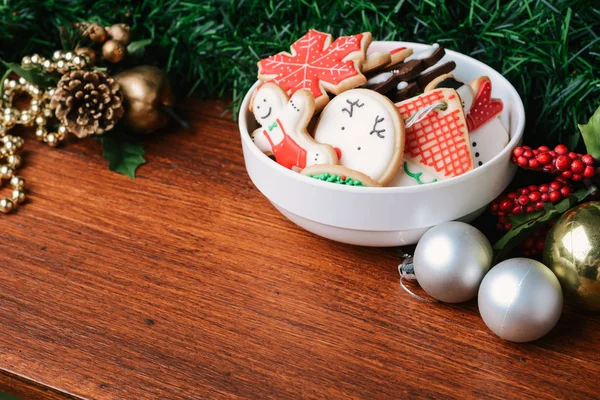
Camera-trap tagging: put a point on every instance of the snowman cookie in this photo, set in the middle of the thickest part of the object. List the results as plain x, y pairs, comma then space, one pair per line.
366, 131
283, 128
487, 134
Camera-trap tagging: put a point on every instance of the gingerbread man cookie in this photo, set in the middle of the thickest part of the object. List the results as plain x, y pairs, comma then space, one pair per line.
318, 65
487, 134
283, 128
366, 131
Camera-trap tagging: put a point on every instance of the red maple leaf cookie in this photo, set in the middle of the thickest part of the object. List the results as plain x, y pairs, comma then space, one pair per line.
318, 65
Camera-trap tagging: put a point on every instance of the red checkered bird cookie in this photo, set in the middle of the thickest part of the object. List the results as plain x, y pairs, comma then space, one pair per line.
437, 145
318, 65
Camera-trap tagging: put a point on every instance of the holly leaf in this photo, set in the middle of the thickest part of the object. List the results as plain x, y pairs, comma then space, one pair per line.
527, 223
591, 134
124, 153
137, 48
36, 75
315, 62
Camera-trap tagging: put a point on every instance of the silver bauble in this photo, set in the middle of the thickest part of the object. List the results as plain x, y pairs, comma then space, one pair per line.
450, 261
520, 300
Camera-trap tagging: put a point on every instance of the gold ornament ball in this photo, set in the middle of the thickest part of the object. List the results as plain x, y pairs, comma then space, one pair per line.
96, 32
113, 51
120, 32
572, 252
147, 91
87, 52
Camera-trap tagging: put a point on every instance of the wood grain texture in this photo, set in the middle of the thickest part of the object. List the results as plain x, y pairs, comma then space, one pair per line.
186, 283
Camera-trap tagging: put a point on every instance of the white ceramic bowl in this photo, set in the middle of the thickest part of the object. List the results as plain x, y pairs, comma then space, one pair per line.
389, 216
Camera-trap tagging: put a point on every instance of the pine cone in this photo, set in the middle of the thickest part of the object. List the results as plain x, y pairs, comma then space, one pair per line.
87, 102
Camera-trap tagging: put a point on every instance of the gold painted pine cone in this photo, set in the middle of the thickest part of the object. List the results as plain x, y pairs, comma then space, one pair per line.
87, 102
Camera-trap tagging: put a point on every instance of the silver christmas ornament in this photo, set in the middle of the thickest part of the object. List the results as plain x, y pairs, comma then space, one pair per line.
450, 261
520, 300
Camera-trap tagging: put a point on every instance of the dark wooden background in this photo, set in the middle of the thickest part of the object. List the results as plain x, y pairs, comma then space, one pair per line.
186, 283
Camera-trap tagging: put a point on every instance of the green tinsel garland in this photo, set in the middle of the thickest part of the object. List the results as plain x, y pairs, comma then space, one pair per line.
550, 50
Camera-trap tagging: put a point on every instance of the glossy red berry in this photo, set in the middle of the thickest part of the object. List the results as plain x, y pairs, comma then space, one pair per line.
559, 161
529, 199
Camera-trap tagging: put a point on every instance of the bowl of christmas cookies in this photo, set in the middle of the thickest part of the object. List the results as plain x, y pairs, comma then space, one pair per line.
372, 143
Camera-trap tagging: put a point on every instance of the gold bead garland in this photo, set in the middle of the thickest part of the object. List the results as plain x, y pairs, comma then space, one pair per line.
61, 61
10, 161
37, 114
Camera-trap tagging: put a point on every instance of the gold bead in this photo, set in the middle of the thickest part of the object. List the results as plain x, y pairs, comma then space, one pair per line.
48, 113
40, 120
49, 65
40, 133
34, 91
62, 130
26, 62
68, 56
9, 120
36, 59
10, 147
51, 139
12, 84
17, 182
26, 118
6, 206
18, 142
57, 55
79, 62
61, 66
18, 196
35, 109
14, 161
6, 172
22, 81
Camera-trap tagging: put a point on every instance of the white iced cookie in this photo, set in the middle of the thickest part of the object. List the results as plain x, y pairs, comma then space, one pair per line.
366, 131
283, 128
487, 134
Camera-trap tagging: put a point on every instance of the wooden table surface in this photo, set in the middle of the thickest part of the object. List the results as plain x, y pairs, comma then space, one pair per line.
186, 283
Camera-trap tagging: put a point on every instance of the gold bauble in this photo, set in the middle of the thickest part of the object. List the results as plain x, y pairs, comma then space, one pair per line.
147, 92
96, 32
113, 51
120, 32
572, 252
86, 51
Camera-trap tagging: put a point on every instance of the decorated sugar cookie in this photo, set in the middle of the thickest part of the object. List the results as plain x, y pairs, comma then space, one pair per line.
366, 131
378, 61
340, 175
487, 134
439, 143
283, 128
318, 65
375, 61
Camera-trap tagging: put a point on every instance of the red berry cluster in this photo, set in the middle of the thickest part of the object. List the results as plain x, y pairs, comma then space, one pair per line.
528, 199
534, 244
560, 161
